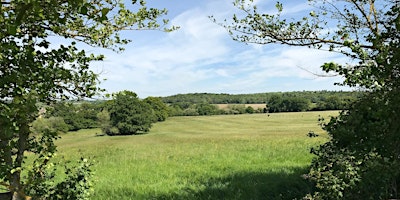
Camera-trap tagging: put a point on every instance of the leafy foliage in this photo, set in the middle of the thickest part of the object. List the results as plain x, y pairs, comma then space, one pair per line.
43, 184
77, 116
159, 108
56, 124
103, 118
183, 104
32, 70
185, 100
289, 104
206, 109
129, 115
361, 159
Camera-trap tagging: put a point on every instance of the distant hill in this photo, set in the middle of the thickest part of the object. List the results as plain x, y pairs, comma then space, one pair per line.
259, 98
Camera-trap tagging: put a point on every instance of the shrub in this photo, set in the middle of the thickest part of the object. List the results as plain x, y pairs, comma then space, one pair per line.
56, 124
129, 115
361, 160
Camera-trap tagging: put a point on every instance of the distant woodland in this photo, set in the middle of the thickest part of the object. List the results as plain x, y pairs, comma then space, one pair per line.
274, 101
72, 116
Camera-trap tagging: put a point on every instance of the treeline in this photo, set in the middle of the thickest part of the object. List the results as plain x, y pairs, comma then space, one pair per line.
127, 114
124, 114
275, 101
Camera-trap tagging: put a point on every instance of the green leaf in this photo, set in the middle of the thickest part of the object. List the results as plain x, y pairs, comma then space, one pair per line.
12, 29
84, 10
104, 13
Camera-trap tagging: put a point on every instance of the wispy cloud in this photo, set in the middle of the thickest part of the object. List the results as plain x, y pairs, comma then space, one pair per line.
201, 57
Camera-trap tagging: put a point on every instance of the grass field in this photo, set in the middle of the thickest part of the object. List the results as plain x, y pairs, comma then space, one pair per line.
255, 156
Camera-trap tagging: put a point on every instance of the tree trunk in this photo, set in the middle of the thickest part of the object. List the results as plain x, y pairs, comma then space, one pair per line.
15, 181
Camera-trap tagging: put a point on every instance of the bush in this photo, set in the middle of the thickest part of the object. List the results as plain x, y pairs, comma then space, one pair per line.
250, 110
76, 183
361, 160
129, 115
54, 124
159, 108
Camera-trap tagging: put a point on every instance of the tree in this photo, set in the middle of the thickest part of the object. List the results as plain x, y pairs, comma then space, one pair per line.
206, 109
275, 103
33, 70
78, 116
295, 104
129, 115
103, 119
358, 161
160, 109
54, 124
250, 110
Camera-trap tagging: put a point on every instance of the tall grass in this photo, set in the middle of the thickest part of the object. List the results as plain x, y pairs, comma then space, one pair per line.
257, 156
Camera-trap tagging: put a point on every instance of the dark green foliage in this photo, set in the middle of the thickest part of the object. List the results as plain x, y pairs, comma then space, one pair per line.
55, 124
331, 103
33, 71
182, 104
185, 100
362, 159
191, 111
174, 110
77, 116
236, 109
129, 115
159, 108
75, 185
103, 118
250, 110
277, 103
206, 109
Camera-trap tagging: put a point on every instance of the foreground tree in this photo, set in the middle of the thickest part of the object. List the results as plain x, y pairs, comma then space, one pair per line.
33, 70
362, 158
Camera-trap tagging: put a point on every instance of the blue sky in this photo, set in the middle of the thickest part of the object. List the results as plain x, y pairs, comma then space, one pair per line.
201, 57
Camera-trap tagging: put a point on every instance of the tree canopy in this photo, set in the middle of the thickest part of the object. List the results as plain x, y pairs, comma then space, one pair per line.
358, 161
129, 115
33, 69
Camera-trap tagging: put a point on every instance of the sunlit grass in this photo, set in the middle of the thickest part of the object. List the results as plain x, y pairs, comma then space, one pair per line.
256, 156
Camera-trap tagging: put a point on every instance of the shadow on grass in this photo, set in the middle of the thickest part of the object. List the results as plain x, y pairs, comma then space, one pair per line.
273, 185
287, 184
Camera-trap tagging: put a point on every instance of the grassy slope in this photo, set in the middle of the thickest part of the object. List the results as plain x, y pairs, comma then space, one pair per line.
210, 157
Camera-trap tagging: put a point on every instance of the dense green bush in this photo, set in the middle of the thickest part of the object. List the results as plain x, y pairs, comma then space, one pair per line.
129, 115
76, 183
160, 109
277, 103
236, 109
103, 118
185, 100
55, 124
206, 109
77, 116
362, 160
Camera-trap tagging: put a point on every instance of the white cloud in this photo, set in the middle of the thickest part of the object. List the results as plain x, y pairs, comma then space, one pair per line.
201, 57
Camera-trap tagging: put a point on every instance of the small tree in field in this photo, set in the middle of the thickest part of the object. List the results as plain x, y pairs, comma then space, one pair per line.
34, 70
160, 109
362, 157
129, 115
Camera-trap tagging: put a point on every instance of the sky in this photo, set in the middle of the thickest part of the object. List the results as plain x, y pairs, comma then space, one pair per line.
201, 57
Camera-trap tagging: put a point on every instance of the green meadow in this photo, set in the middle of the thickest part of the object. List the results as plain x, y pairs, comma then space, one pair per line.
257, 156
